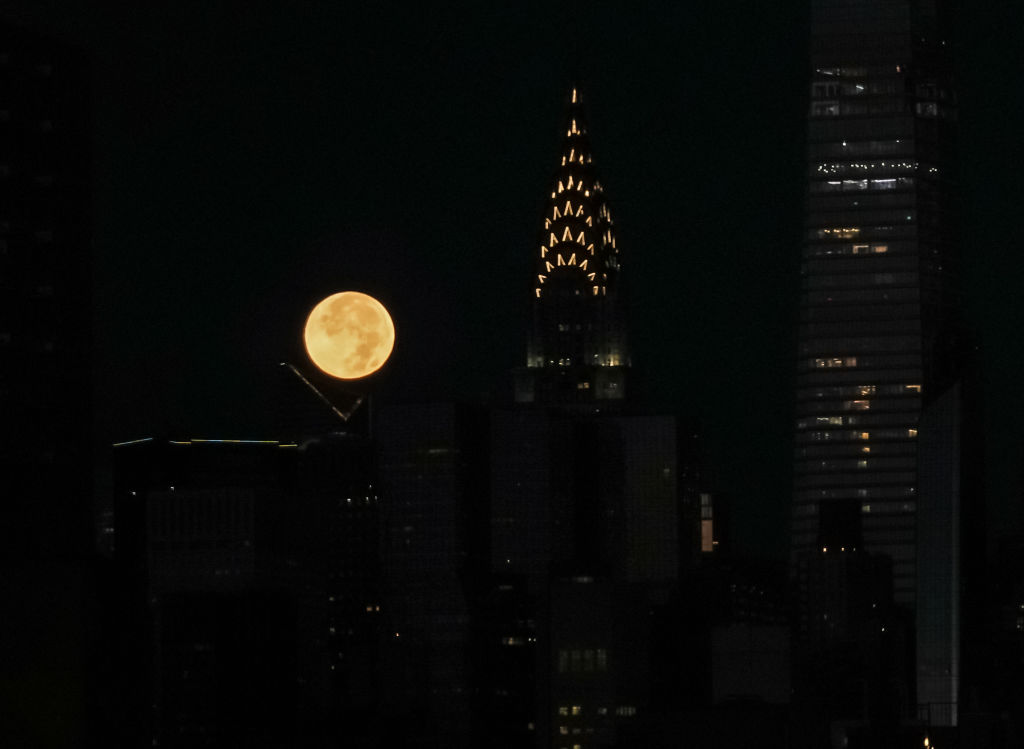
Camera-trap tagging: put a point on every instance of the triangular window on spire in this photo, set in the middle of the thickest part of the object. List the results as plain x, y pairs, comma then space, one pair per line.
590, 248
567, 235
555, 215
572, 154
561, 260
561, 187
579, 239
580, 211
572, 259
548, 266
568, 208
590, 221
547, 223
591, 276
541, 277
552, 239
569, 186
583, 265
543, 251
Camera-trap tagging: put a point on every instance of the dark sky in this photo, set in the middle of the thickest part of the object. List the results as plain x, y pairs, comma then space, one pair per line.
253, 157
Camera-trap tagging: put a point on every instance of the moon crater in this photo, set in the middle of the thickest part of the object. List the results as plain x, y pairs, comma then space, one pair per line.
349, 335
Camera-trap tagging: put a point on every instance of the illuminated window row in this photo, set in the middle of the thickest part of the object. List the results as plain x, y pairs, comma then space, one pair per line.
853, 232
835, 361
864, 420
567, 237
875, 87
851, 249
843, 107
839, 391
880, 361
854, 435
571, 185
561, 260
567, 211
582, 660
858, 185
841, 167
899, 401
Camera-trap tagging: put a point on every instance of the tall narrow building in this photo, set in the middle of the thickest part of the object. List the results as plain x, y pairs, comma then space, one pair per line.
577, 352
877, 299
583, 493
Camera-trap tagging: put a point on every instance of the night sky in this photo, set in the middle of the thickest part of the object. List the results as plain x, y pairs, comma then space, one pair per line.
251, 158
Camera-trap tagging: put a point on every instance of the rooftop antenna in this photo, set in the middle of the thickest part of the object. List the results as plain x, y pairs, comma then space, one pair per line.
574, 34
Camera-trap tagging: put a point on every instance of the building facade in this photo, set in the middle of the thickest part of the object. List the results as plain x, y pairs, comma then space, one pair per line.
877, 294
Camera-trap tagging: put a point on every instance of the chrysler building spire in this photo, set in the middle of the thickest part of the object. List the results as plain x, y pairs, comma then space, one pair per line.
577, 350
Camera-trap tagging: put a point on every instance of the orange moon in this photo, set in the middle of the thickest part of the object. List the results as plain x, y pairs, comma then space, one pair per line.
349, 335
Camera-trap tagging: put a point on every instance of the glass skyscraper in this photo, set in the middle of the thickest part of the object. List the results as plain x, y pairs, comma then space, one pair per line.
877, 292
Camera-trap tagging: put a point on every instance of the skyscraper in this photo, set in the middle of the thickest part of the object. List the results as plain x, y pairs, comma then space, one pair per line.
584, 492
577, 351
877, 298
46, 292
46, 400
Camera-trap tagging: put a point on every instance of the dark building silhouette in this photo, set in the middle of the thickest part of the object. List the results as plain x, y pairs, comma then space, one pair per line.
52, 667
252, 569
433, 460
45, 295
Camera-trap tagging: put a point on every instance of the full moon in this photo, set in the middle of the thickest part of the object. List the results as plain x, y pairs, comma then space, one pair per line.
349, 335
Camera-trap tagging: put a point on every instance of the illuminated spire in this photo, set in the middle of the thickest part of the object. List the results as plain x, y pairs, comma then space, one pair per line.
578, 213
578, 334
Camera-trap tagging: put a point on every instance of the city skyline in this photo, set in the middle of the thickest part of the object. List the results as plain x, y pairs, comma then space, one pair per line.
204, 263
526, 555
